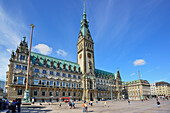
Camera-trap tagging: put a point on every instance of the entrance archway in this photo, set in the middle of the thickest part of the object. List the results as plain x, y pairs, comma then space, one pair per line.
91, 96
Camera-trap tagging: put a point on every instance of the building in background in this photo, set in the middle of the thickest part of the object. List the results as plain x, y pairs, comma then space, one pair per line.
52, 78
163, 88
2, 85
136, 89
153, 90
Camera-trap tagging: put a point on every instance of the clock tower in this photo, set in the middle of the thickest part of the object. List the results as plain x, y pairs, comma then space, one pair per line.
85, 58
85, 48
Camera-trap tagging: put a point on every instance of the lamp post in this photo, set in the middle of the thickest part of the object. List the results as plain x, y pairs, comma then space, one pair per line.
139, 85
26, 99
83, 88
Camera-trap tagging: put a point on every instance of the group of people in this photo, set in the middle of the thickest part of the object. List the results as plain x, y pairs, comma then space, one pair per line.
14, 104
5, 103
11, 106
71, 104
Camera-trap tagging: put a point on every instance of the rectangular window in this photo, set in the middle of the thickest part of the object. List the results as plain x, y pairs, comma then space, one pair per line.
23, 58
69, 84
19, 91
74, 76
43, 93
20, 80
57, 93
36, 70
58, 84
51, 83
63, 93
24, 67
44, 72
79, 77
69, 75
36, 81
78, 85
51, 72
74, 85
58, 74
51, 93
35, 93
64, 75
64, 84
69, 94
44, 82
74, 93
18, 66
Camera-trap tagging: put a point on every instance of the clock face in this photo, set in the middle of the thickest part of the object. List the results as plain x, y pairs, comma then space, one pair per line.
89, 55
80, 56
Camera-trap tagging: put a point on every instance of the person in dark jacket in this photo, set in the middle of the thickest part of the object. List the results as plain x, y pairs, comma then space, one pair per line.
19, 106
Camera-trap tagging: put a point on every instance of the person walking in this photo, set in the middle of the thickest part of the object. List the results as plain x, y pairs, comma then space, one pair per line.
84, 106
19, 106
158, 104
60, 104
91, 103
129, 102
73, 105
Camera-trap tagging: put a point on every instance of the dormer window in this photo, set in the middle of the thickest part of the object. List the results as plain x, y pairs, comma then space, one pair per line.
52, 64
69, 67
44, 62
64, 66
58, 65
79, 69
74, 68
37, 61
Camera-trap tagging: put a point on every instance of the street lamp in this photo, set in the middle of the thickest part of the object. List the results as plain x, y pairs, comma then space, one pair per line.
26, 99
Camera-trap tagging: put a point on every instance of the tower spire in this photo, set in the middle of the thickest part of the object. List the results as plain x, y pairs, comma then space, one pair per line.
84, 12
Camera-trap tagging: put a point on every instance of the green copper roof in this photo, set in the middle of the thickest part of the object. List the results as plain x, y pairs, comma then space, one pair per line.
135, 81
84, 24
104, 74
55, 60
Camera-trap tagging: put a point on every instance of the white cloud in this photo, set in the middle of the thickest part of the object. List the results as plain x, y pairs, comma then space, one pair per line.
132, 74
61, 52
43, 49
139, 62
12, 28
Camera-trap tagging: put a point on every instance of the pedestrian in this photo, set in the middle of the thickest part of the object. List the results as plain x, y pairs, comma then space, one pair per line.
129, 102
60, 104
70, 105
96, 102
158, 104
13, 106
91, 103
84, 106
18, 105
105, 103
73, 105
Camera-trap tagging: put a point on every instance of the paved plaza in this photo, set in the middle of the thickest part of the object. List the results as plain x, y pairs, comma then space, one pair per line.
117, 107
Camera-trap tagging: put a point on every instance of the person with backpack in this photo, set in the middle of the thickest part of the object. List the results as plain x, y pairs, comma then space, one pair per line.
84, 106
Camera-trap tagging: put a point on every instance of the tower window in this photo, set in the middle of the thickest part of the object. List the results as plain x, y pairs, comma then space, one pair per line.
19, 91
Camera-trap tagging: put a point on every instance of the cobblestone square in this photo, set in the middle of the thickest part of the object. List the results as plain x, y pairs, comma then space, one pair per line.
117, 107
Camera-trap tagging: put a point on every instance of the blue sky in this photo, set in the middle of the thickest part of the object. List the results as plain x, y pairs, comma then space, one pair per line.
130, 34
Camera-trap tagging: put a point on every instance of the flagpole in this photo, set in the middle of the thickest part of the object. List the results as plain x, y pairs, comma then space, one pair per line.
26, 99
